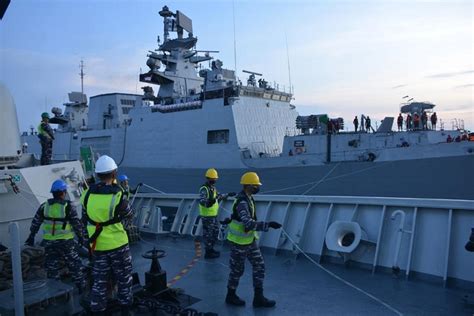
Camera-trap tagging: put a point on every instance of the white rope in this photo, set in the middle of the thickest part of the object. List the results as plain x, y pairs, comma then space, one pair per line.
322, 179
327, 179
339, 278
313, 185
153, 188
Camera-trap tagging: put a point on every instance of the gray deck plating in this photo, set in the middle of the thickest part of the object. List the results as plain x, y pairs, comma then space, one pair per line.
299, 287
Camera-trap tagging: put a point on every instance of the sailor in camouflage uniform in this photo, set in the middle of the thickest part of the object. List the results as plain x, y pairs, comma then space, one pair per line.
208, 208
104, 208
46, 136
123, 182
58, 216
242, 236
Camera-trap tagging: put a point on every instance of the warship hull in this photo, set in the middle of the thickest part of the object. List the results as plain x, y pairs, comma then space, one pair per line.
446, 178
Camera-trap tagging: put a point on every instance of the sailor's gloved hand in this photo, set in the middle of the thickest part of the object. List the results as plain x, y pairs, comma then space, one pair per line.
30, 241
274, 225
226, 221
231, 194
211, 202
140, 184
470, 244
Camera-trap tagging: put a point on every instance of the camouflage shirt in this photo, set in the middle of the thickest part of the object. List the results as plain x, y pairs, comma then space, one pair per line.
244, 215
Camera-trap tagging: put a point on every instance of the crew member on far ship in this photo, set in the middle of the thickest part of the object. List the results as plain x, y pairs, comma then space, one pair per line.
356, 123
46, 136
208, 209
400, 122
242, 236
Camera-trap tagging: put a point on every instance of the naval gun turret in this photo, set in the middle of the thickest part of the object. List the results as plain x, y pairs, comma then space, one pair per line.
23, 186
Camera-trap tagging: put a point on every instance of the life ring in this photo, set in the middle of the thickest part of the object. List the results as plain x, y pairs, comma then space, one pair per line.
299, 150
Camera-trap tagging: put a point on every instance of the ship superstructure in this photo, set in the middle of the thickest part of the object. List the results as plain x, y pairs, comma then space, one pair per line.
207, 116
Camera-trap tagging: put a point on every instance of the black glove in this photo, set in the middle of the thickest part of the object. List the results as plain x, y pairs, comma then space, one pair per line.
226, 221
140, 184
30, 241
231, 194
274, 225
211, 202
470, 244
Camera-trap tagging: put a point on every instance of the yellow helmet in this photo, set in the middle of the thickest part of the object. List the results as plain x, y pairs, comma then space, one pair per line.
212, 173
250, 178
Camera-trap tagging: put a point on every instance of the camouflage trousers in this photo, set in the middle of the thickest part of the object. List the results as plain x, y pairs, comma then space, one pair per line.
59, 251
210, 231
238, 254
46, 152
118, 264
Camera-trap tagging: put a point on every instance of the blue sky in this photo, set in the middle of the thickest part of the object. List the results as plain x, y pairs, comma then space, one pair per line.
346, 57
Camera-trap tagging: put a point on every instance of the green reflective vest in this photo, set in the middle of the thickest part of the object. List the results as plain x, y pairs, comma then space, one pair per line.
126, 192
55, 226
42, 132
236, 232
100, 209
212, 210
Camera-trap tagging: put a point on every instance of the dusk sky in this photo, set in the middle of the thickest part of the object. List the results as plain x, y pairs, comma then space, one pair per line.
346, 57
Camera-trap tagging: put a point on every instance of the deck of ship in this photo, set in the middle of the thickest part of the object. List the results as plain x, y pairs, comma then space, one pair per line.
300, 287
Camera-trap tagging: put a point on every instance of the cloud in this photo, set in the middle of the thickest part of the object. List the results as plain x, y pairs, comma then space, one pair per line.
451, 74
400, 86
459, 108
469, 85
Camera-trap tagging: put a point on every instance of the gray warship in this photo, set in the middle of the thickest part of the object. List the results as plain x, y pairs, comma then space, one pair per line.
336, 254
207, 117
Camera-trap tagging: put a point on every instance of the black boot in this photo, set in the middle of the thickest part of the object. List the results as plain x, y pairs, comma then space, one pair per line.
261, 301
233, 299
211, 254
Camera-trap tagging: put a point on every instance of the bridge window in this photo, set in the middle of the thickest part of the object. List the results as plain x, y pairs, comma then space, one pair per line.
127, 102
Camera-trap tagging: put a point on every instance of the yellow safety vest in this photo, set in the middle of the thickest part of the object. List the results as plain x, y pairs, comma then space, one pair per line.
237, 233
100, 209
42, 132
55, 225
213, 209
127, 193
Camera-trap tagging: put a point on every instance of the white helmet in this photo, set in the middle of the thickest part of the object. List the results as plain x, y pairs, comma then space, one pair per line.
105, 164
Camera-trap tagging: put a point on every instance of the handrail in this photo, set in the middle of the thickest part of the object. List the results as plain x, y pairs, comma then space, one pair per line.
364, 200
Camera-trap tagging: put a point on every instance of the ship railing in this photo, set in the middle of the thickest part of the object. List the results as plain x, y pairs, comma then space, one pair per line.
269, 94
413, 237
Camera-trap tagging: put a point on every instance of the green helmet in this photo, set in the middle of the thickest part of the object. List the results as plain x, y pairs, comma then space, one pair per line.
45, 115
